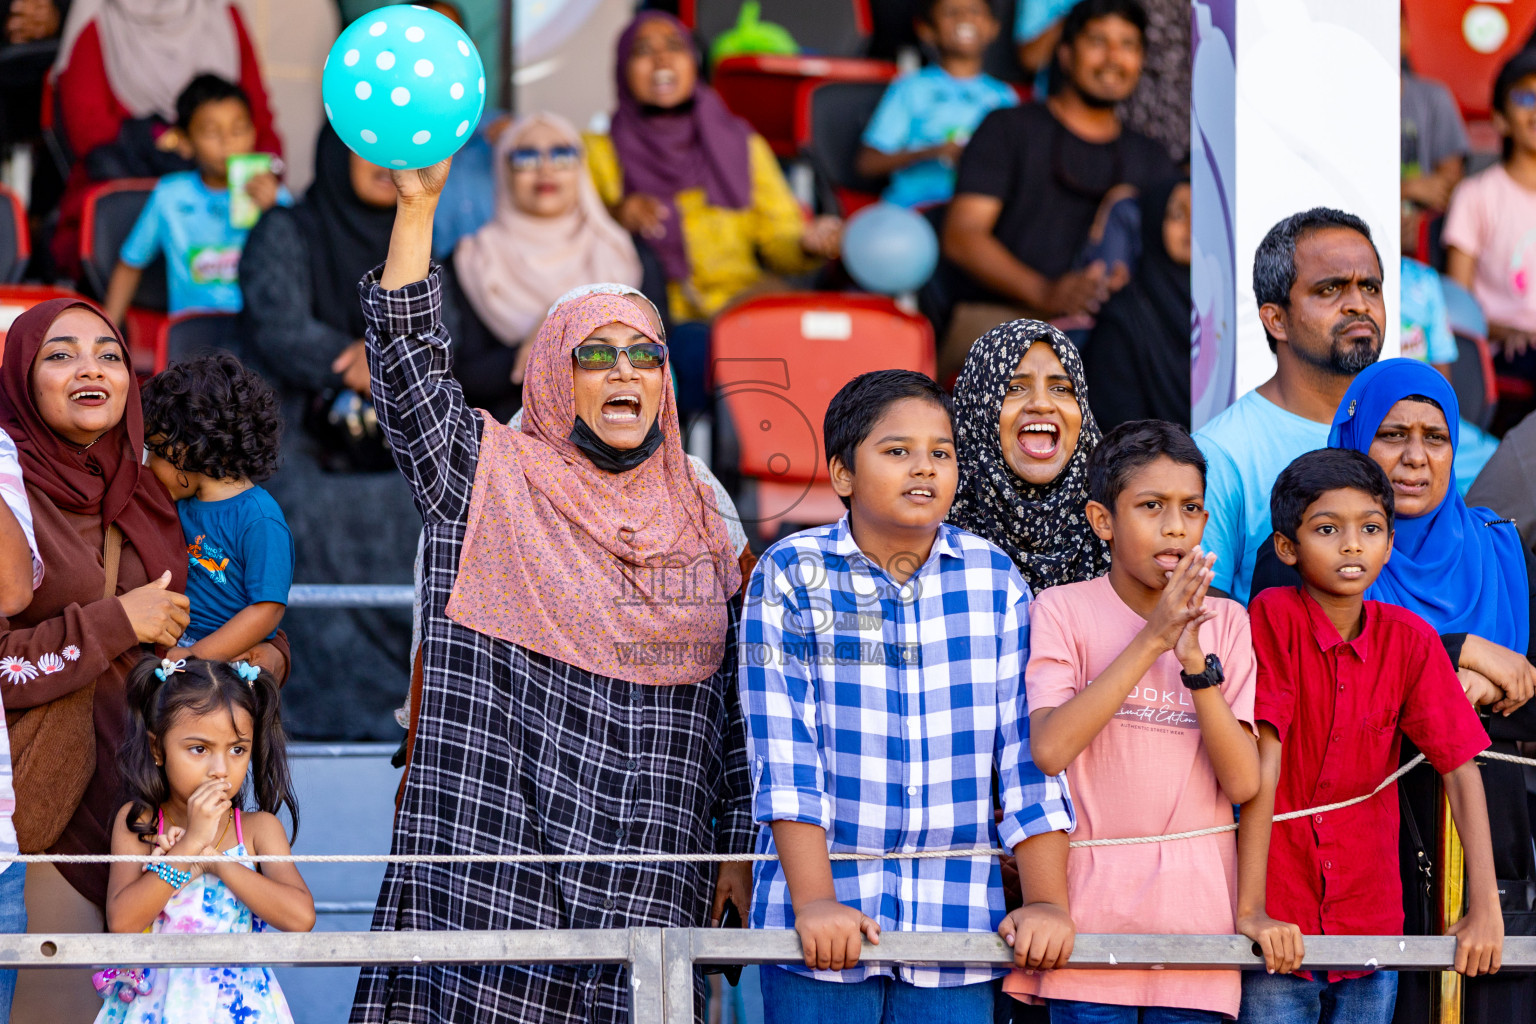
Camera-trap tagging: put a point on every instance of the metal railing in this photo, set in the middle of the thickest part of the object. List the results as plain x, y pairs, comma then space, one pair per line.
350, 595
661, 960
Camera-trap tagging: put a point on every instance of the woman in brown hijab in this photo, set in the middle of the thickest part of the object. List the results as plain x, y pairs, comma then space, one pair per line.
69, 399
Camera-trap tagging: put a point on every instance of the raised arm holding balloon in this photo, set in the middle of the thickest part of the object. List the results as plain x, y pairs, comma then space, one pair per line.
539, 544
403, 87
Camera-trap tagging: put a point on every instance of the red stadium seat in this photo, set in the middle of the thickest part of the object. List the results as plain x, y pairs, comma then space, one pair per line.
51, 122
16, 299
777, 362
838, 28
15, 242
142, 328
111, 209
185, 335
764, 90
1438, 46
829, 123
1474, 380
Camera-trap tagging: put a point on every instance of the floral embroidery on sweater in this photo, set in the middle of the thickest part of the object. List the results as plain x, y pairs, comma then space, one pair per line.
17, 670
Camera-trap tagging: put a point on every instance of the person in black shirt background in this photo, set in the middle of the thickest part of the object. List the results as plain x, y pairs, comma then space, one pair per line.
1034, 177
1137, 360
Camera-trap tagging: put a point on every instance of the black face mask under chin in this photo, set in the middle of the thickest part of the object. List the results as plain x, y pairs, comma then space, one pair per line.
608, 458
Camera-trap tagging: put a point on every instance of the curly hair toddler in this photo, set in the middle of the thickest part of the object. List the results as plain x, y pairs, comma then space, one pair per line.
212, 430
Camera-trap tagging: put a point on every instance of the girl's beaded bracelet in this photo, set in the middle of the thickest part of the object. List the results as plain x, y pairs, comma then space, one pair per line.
169, 875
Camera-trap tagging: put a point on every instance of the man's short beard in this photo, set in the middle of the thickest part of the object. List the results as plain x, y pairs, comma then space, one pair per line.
1096, 102
1089, 100
1345, 357
1352, 357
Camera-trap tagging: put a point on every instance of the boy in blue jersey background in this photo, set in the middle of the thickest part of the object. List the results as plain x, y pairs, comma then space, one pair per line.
926, 117
187, 216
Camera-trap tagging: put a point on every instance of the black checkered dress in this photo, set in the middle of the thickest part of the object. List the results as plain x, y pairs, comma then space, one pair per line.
518, 753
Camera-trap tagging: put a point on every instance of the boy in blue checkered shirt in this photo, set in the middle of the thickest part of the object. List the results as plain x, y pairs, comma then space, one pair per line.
882, 661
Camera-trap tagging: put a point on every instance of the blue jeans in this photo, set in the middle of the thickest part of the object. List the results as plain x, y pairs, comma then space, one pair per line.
790, 998
1068, 1011
1287, 999
13, 920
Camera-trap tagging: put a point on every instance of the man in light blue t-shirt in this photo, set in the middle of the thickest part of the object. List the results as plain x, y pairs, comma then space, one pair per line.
925, 118
1317, 280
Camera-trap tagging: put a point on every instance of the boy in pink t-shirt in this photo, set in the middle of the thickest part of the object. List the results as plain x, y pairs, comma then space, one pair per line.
1141, 688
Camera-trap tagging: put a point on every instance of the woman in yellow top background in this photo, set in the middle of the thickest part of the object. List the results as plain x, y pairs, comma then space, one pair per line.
697, 185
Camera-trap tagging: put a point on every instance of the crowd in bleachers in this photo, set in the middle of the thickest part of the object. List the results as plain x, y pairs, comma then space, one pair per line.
390, 395
169, 209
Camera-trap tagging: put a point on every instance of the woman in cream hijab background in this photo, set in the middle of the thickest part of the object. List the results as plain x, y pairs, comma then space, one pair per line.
550, 233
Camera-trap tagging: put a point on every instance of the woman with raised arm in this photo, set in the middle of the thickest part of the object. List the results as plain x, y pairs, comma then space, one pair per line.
578, 691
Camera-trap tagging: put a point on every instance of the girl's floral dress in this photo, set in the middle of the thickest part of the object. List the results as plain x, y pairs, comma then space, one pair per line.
199, 995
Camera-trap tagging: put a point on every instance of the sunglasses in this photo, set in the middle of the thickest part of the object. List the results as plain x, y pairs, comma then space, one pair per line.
527, 158
643, 355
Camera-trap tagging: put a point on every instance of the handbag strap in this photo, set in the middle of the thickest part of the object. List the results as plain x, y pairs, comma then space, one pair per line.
111, 555
1420, 853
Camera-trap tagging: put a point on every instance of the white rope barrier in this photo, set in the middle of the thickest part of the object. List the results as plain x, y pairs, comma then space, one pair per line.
1287, 816
690, 858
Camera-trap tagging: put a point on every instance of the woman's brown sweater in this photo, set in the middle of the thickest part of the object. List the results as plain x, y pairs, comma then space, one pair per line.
72, 635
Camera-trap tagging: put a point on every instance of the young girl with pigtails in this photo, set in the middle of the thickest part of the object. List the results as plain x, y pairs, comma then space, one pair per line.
197, 729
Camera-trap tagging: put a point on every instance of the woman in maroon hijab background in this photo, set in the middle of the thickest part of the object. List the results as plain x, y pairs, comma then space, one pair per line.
70, 401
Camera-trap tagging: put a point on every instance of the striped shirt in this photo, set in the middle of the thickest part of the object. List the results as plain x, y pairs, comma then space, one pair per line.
14, 493
881, 712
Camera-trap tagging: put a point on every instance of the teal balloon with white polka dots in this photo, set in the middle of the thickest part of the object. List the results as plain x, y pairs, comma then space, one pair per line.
403, 87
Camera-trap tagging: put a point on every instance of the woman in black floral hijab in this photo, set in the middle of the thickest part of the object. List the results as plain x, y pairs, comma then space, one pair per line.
1023, 436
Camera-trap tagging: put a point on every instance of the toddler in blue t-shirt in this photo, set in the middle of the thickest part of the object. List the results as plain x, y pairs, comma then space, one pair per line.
187, 216
212, 430
926, 117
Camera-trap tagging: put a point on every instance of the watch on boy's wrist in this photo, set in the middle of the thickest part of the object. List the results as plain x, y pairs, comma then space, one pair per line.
1211, 676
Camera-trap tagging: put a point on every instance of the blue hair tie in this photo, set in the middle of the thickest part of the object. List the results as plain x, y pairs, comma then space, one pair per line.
247, 671
169, 668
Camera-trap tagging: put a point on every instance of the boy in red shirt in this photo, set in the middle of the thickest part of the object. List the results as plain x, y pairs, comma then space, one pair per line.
1341, 680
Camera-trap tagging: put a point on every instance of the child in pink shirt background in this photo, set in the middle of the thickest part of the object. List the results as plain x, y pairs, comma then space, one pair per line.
1154, 735
1490, 227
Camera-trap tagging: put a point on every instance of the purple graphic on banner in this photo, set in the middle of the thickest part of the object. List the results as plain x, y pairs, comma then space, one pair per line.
1213, 178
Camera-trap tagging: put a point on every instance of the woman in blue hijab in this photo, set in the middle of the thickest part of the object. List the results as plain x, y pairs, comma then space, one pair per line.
1464, 571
